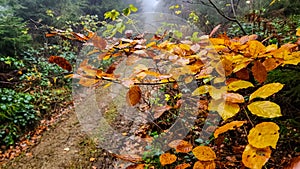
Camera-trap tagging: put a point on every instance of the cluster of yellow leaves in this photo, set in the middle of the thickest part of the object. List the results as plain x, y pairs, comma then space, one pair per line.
260, 138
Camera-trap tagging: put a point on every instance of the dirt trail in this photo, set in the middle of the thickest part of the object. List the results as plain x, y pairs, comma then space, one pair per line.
64, 146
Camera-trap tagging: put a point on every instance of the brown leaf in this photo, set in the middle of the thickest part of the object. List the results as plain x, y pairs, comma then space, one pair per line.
233, 98
134, 95
129, 157
270, 64
60, 61
259, 71
167, 158
214, 30
295, 163
99, 42
243, 74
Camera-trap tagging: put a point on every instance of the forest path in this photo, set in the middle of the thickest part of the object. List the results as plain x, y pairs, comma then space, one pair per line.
64, 146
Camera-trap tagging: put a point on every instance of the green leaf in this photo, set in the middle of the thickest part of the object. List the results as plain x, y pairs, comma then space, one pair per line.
126, 11
133, 8
265, 109
266, 91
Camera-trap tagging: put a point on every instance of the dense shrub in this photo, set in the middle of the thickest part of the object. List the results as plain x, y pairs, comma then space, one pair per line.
17, 114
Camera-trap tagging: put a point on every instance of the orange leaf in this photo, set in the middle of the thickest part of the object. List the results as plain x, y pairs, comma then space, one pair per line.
80, 37
233, 98
134, 95
229, 126
87, 82
259, 71
181, 146
295, 163
270, 64
167, 158
255, 158
204, 153
204, 165
62, 62
182, 166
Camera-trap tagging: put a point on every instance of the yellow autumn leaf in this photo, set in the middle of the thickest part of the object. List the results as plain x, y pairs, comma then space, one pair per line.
271, 48
167, 158
266, 90
227, 110
298, 32
239, 84
263, 135
229, 126
255, 48
204, 153
265, 109
201, 90
293, 59
255, 158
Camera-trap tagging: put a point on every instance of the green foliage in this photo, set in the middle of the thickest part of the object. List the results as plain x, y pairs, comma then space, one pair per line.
16, 114
14, 37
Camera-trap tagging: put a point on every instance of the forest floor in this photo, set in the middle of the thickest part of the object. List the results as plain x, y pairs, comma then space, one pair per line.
64, 145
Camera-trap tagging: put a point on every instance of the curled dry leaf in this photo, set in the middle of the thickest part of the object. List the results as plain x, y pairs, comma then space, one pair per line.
204, 153
181, 146
263, 135
60, 61
229, 126
255, 158
158, 111
99, 42
134, 95
233, 98
129, 157
167, 158
182, 166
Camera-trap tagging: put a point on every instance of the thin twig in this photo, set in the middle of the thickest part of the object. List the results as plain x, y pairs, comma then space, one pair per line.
248, 117
227, 17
